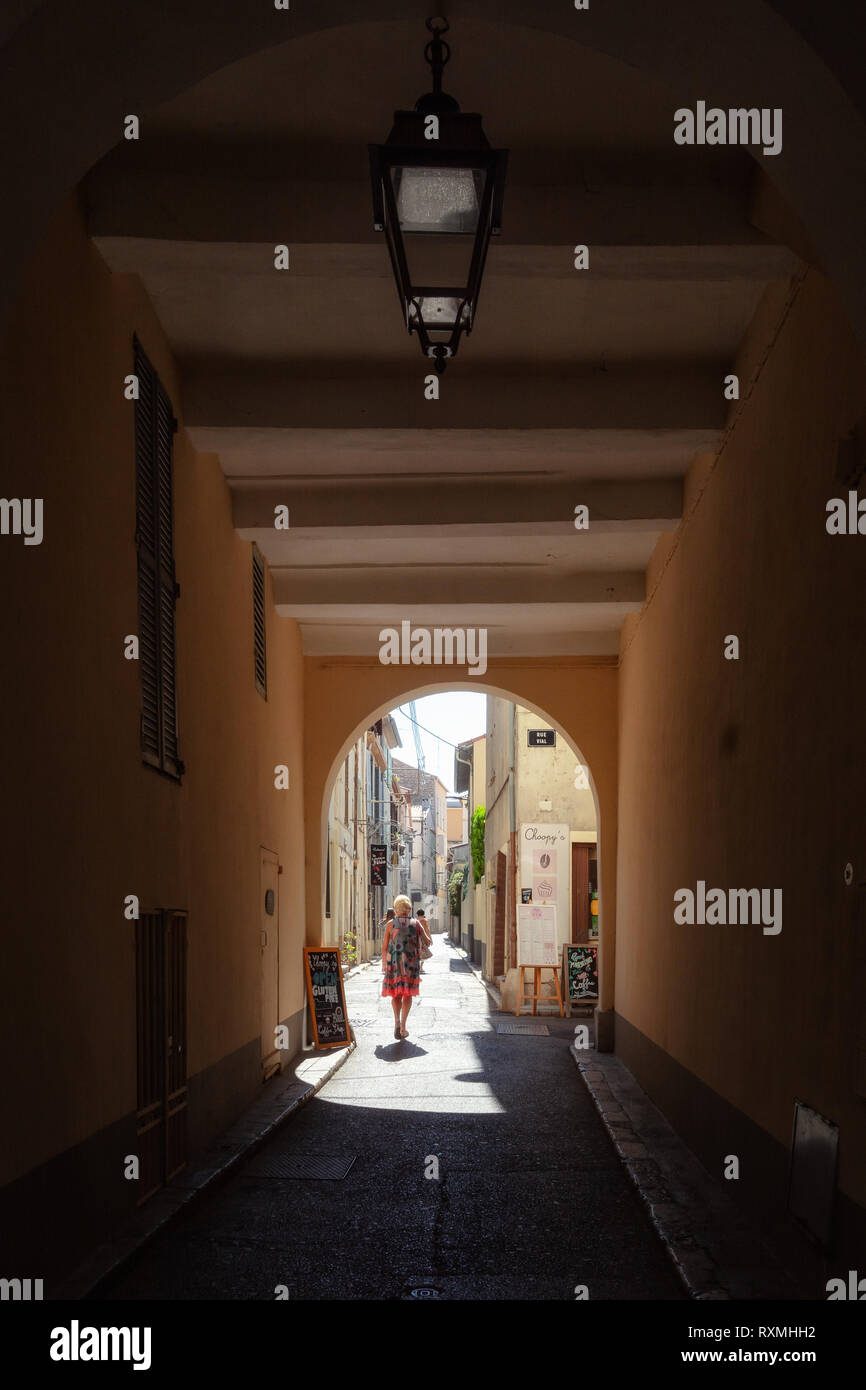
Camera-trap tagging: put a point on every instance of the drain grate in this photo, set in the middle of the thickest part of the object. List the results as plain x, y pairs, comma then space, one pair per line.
331, 1166
535, 1030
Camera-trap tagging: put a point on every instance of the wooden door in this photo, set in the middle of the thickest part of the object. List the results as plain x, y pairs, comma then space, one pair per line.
580, 892
499, 919
269, 919
161, 1042
176, 1090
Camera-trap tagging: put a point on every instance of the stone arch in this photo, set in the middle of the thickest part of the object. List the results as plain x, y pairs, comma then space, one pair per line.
69, 73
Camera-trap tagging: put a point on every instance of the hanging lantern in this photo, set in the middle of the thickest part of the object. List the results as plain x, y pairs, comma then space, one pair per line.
437, 196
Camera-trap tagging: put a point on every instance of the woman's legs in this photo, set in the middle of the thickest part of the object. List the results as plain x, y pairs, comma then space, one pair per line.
406, 1003
395, 1005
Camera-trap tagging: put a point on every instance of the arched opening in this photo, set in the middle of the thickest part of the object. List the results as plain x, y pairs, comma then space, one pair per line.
493, 944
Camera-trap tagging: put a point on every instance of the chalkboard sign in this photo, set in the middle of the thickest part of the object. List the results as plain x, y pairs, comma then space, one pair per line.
327, 996
580, 968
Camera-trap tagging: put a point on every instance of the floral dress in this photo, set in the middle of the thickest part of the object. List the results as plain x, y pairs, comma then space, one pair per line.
403, 959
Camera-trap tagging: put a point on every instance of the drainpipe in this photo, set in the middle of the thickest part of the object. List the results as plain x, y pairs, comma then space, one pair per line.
355, 865
467, 762
513, 838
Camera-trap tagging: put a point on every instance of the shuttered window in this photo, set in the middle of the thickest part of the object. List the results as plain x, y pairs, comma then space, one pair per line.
260, 662
157, 588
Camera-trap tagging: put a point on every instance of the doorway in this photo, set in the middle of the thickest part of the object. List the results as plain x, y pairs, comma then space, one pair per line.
269, 920
161, 1030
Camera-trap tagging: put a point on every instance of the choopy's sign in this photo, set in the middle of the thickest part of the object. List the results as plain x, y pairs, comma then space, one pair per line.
543, 863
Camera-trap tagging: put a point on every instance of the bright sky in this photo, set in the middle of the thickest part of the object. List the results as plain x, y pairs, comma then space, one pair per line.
455, 716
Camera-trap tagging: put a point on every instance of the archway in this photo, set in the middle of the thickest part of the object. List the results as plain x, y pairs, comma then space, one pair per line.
343, 696
97, 70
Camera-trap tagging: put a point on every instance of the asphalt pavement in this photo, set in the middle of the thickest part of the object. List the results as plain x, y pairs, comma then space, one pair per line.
465, 1164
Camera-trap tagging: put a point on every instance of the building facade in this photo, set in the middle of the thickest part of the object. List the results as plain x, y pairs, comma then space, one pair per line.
541, 834
367, 810
429, 865
470, 778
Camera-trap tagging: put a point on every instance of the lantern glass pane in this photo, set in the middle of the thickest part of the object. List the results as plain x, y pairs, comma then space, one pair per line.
439, 311
438, 199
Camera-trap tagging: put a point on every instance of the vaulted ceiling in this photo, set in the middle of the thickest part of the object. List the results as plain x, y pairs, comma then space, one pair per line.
593, 386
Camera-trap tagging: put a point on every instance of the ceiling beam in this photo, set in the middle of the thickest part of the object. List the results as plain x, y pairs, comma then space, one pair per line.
165, 259
544, 455
523, 503
336, 638
399, 589
670, 396
207, 193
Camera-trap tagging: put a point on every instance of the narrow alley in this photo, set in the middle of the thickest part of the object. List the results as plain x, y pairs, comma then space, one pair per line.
511, 1125
434, 511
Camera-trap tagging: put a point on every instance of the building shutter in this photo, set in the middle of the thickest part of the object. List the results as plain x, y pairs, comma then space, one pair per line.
260, 664
157, 588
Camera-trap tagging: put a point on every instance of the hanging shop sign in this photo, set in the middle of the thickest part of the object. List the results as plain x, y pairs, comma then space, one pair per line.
379, 866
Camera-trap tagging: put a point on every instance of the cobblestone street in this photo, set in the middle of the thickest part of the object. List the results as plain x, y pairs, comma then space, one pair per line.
530, 1202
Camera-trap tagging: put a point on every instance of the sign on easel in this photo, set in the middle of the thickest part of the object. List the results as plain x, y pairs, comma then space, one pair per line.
536, 934
327, 996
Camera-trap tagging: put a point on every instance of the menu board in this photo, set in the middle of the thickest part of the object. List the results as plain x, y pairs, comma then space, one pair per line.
580, 967
327, 996
536, 935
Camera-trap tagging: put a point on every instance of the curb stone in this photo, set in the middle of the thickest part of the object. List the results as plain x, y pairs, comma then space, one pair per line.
680, 1197
255, 1126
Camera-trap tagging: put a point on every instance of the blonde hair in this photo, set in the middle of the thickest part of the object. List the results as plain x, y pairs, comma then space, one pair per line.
399, 903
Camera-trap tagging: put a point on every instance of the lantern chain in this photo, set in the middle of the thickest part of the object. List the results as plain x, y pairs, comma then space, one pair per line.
437, 51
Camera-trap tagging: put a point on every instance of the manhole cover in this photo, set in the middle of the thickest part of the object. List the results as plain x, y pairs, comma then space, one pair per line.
536, 1030
330, 1166
425, 1291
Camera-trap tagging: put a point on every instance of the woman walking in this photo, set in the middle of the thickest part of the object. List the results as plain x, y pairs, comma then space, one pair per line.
401, 963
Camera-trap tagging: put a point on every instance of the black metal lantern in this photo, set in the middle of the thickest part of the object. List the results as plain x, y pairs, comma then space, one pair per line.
437, 195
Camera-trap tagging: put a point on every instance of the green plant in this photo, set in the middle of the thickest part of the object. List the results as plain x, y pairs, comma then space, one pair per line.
476, 841
350, 948
456, 890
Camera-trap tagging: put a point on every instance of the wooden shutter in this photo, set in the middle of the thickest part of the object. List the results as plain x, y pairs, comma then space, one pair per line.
157, 588
259, 645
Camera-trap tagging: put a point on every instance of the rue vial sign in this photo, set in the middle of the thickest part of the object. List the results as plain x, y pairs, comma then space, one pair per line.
541, 738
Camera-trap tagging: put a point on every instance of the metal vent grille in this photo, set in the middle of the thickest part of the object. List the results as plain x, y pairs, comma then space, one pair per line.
333, 1167
535, 1030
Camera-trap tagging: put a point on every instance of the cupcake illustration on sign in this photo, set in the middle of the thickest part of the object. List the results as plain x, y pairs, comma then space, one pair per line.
544, 888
